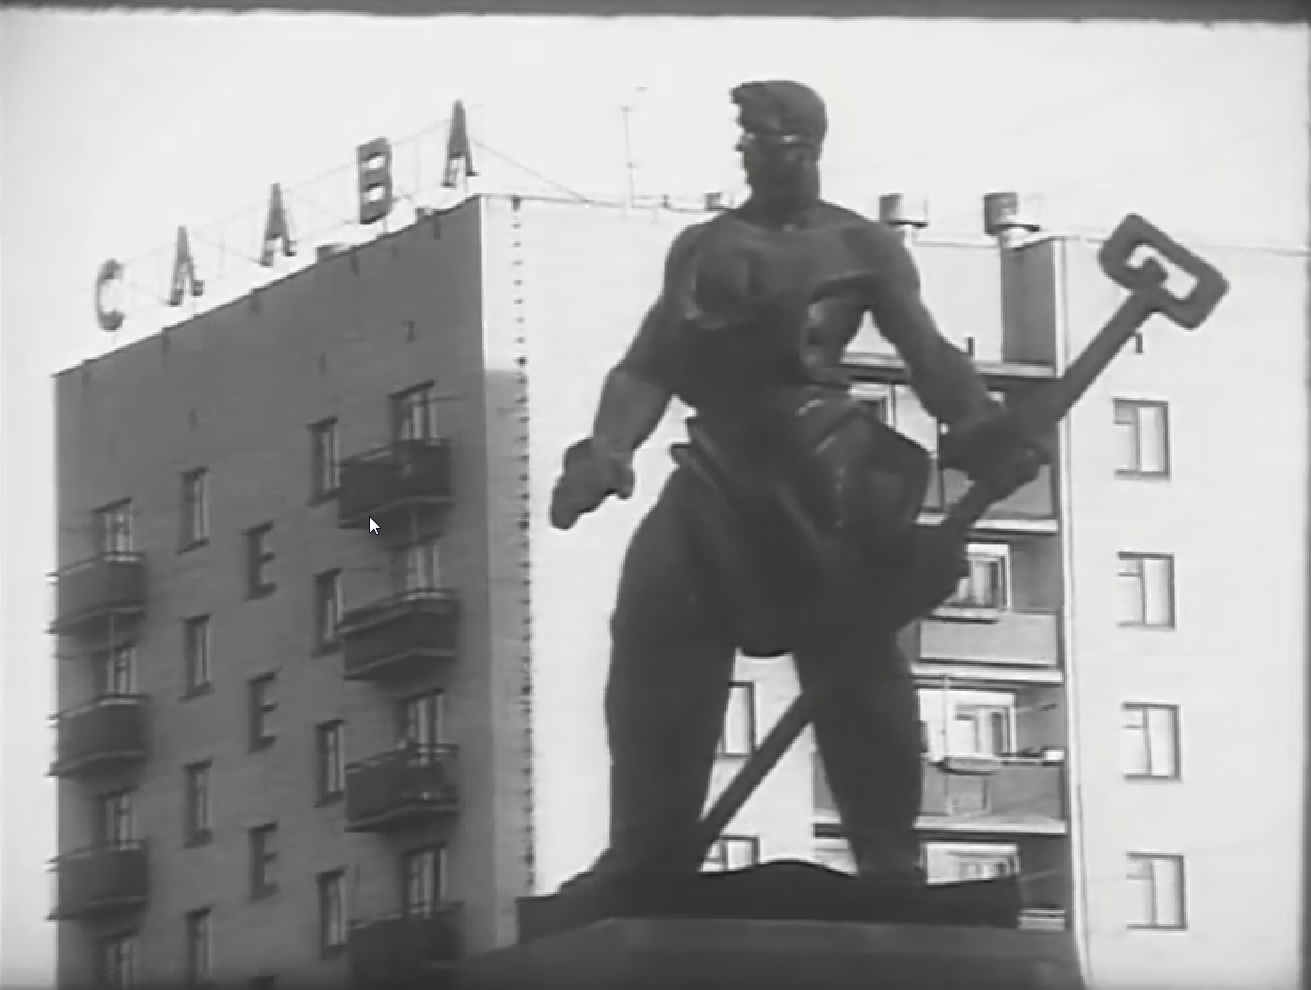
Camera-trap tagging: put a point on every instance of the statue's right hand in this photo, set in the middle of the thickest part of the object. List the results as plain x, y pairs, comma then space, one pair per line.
589, 476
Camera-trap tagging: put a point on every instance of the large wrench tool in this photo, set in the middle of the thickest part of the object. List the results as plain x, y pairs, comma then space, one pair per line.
1145, 281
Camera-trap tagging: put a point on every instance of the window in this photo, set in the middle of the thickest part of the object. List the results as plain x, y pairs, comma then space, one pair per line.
200, 947
1142, 435
115, 672
987, 582
259, 554
983, 866
330, 760
420, 720
1156, 891
733, 852
323, 458
263, 860
117, 818
416, 568
1147, 590
327, 610
114, 528
195, 647
332, 911
263, 705
739, 736
422, 877
953, 862
118, 962
981, 730
414, 414
195, 508
197, 811
835, 853
1151, 741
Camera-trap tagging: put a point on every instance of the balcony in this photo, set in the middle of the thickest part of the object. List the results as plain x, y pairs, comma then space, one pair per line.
407, 786
982, 796
406, 481
1030, 639
1031, 510
991, 795
403, 949
399, 635
94, 596
104, 880
107, 733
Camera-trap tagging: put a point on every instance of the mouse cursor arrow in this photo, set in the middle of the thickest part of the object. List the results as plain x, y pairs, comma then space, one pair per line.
373, 526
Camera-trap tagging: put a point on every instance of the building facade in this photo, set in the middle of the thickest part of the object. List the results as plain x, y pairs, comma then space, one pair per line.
293, 748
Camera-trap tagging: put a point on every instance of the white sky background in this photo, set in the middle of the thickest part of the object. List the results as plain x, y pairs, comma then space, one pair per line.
115, 129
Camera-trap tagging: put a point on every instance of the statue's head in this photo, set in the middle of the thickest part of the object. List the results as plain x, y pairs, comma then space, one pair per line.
783, 127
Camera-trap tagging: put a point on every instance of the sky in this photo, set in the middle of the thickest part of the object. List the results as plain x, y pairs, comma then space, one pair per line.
117, 128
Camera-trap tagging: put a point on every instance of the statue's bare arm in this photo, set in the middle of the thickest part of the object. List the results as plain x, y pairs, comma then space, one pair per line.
637, 391
941, 374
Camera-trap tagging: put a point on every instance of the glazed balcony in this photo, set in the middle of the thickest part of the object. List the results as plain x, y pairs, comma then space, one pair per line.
92, 596
410, 785
107, 733
399, 635
403, 482
403, 949
1031, 509
101, 881
989, 796
1030, 639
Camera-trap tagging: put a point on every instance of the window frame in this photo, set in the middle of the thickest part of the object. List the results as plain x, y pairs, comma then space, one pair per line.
1151, 860
108, 536
437, 876
413, 564
200, 964
108, 664
261, 709
1145, 709
264, 860
259, 555
194, 521
197, 655
1134, 408
1140, 559
401, 406
110, 965
325, 465
197, 803
324, 605
746, 690
719, 858
325, 883
327, 773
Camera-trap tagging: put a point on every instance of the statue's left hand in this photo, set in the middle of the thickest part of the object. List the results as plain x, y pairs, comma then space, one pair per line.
993, 450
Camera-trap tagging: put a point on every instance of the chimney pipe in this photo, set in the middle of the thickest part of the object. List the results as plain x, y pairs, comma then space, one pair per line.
905, 214
1008, 218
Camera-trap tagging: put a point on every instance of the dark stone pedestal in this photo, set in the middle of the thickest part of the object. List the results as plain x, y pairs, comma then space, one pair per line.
702, 954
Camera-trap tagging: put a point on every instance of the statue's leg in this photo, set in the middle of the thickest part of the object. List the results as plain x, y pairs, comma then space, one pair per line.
671, 668
868, 734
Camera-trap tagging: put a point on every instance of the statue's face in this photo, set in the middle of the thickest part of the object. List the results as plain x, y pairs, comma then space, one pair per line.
775, 161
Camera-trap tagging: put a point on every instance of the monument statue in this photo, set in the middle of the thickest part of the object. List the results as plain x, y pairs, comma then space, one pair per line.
789, 522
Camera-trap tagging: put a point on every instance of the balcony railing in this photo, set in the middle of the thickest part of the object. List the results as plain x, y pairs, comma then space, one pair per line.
92, 595
1034, 503
411, 784
403, 475
399, 634
1011, 796
106, 879
1005, 637
107, 732
403, 949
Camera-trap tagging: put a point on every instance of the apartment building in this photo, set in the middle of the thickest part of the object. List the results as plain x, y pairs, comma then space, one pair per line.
292, 748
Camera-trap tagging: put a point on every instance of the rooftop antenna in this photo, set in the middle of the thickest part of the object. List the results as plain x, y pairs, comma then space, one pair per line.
630, 166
